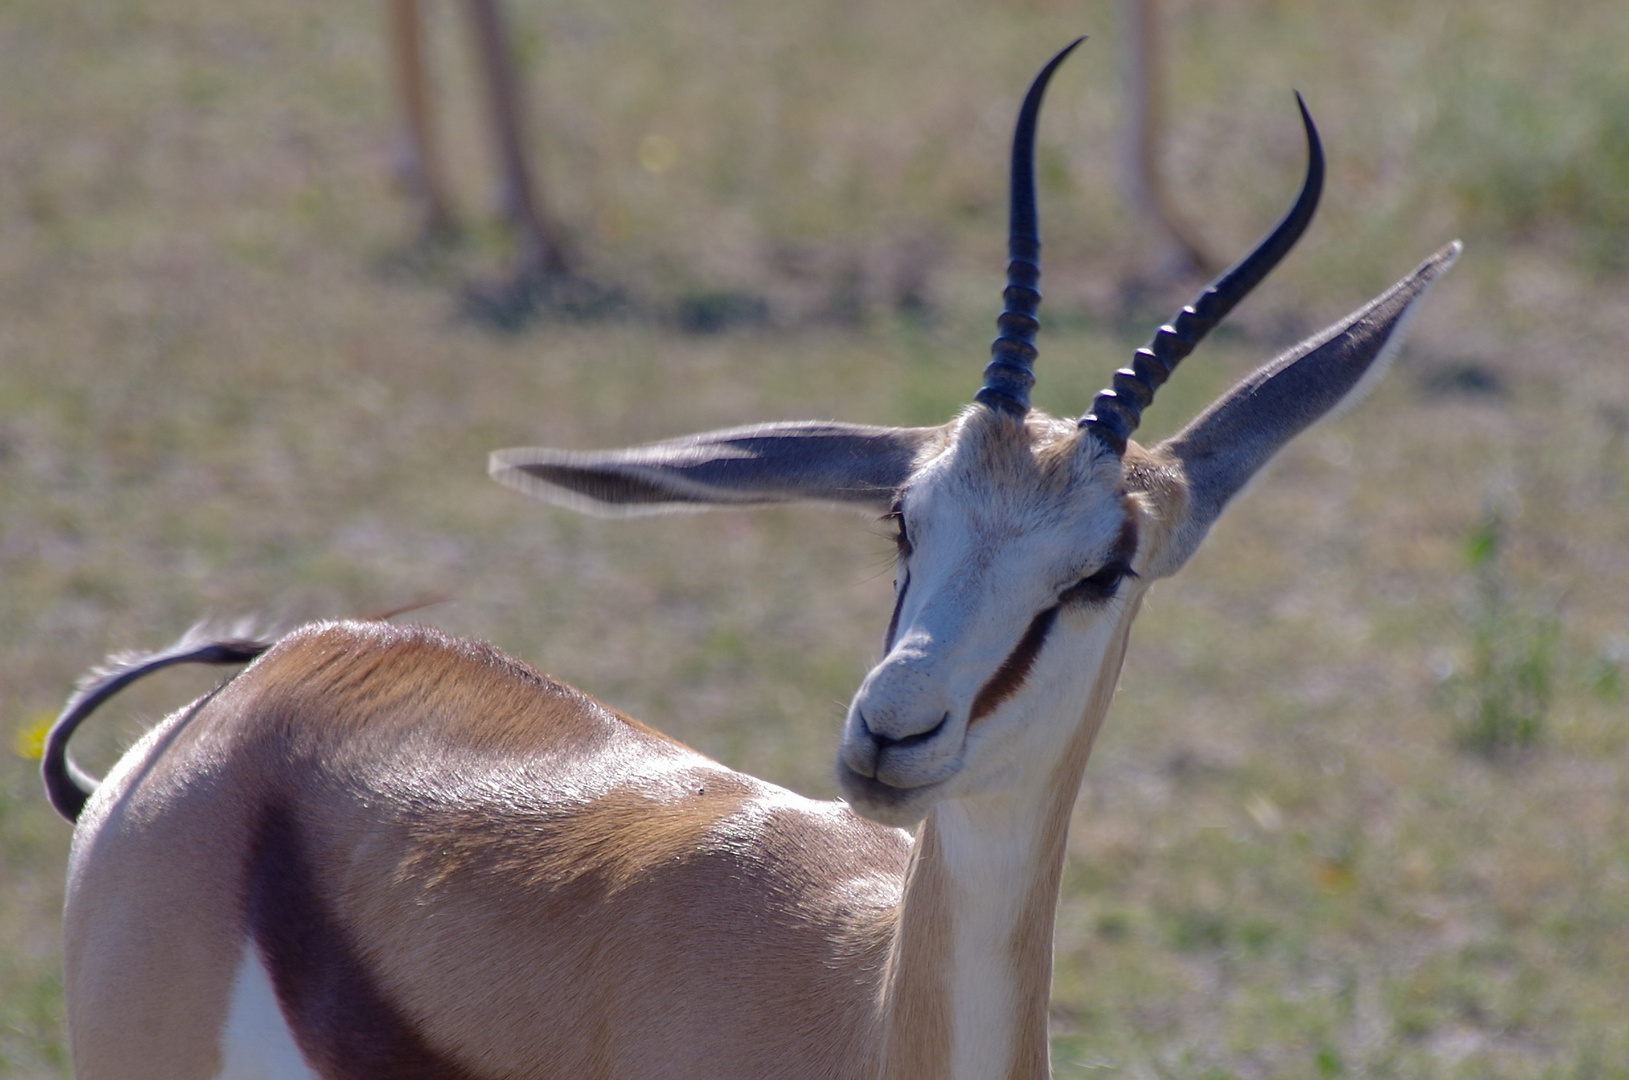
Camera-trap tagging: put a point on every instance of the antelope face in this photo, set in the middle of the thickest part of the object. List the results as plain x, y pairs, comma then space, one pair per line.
1020, 562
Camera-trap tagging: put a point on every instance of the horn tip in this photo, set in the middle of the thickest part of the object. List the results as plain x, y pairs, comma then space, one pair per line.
1437, 263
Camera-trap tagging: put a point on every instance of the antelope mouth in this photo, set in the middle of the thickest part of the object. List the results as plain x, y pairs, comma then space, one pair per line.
892, 779
904, 743
883, 802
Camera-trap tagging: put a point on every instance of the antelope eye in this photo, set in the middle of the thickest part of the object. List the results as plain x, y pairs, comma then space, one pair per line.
901, 537
1098, 587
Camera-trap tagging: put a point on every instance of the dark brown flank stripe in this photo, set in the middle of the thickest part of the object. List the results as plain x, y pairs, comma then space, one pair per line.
343, 1024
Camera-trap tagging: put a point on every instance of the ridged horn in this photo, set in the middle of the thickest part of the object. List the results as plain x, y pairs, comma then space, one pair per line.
1117, 411
1011, 371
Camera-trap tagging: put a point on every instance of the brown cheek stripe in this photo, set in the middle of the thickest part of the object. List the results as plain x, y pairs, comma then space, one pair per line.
1015, 669
345, 1028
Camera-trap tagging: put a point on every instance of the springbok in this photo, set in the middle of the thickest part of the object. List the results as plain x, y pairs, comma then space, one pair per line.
544, 260
542, 256
1171, 252
380, 852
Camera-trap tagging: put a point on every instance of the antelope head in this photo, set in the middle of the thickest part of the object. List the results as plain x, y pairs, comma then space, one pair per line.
1026, 541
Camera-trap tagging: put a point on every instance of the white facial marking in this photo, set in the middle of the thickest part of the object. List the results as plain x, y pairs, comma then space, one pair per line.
1001, 524
256, 1043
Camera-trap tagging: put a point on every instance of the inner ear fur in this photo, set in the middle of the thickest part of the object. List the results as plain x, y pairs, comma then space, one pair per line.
1159, 491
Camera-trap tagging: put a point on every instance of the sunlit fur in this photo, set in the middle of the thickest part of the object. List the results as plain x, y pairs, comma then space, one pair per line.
507, 863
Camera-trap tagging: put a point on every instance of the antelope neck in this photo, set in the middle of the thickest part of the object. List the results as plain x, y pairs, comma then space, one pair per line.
970, 972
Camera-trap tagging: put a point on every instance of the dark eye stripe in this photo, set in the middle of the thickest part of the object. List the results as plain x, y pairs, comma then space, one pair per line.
1015, 669
893, 623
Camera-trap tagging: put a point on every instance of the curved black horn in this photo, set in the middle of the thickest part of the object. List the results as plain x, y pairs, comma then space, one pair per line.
1011, 371
1117, 410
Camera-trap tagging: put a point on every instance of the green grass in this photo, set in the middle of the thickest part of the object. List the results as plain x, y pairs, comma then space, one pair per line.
223, 391
1503, 696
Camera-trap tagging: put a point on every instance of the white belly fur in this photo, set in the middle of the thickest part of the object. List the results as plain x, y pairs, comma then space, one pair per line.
256, 1043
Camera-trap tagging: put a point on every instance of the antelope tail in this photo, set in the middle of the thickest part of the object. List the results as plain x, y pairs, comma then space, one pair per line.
67, 785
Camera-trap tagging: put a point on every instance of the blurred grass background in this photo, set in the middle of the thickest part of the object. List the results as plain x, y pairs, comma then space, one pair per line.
229, 385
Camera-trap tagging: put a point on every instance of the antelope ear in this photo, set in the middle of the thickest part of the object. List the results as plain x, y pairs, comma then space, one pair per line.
1226, 444
766, 463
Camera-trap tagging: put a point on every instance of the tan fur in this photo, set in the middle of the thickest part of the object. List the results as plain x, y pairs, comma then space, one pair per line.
504, 849
451, 867
1032, 944
1038, 458
916, 1035
1161, 496
497, 845
513, 861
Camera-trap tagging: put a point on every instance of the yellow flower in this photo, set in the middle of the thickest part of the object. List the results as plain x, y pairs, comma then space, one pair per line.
28, 741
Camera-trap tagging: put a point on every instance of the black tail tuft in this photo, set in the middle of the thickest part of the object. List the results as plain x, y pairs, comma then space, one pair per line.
66, 784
